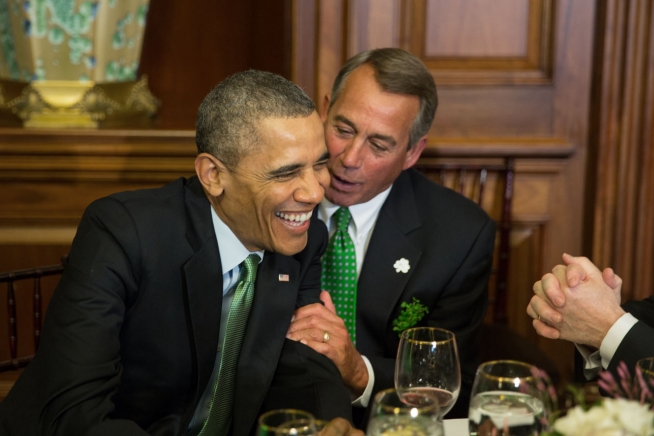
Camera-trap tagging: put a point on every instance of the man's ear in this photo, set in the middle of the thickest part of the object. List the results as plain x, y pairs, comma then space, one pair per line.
414, 153
211, 173
325, 108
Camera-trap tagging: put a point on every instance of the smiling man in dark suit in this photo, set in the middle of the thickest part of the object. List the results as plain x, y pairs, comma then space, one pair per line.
412, 239
171, 315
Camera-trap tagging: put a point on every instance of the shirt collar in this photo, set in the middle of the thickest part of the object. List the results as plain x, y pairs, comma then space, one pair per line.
363, 214
232, 251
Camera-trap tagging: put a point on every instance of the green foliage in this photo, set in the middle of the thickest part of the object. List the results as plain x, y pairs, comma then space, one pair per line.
410, 315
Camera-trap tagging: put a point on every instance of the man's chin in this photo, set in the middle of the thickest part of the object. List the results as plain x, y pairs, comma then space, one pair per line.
291, 247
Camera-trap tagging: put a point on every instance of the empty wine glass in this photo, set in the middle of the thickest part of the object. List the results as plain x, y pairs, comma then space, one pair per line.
506, 400
286, 422
428, 360
407, 412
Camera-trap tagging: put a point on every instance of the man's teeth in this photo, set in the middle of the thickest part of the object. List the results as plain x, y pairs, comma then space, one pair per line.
298, 218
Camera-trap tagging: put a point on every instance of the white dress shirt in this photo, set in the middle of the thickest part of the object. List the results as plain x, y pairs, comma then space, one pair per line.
598, 359
364, 217
232, 254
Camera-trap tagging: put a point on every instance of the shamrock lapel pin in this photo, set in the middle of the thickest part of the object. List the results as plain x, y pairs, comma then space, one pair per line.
410, 315
402, 266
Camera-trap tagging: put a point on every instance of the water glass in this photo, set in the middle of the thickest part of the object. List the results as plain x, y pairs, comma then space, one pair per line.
286, 422
408, 412
505, 400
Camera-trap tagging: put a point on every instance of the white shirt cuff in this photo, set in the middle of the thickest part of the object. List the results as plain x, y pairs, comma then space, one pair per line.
599, 359
615, 335
364, 399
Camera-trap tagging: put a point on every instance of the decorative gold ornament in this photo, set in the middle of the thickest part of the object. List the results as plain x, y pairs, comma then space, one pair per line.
59, 103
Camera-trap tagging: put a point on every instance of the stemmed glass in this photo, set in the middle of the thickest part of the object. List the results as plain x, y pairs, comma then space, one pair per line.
405, 413
286, 422
428, 360
506, 400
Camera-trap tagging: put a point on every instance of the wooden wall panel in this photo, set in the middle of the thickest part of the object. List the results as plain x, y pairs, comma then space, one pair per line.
481, 42
620, 205
476, 35
189, 47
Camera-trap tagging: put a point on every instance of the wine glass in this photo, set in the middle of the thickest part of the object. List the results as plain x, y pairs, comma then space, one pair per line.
645, 378
286, 422
506, 400
407, 412
428, 360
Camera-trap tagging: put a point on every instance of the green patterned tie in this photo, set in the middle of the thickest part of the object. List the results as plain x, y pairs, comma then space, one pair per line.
339, 271
220, 413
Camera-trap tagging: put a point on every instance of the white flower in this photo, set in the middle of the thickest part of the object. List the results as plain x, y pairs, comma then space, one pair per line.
402, 265
613, 417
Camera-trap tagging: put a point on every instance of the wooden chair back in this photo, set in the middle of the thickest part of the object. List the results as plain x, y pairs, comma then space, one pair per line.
10, 278
471, 180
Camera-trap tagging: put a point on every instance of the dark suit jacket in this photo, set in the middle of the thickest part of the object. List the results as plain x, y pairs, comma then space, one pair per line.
448, 241
131, 333
639, 342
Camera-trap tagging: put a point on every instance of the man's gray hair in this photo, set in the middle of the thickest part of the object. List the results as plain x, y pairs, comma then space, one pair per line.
228, 118
399, 72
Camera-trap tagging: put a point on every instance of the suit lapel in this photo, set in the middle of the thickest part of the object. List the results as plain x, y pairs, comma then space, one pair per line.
380, 284
204, 282
270, 316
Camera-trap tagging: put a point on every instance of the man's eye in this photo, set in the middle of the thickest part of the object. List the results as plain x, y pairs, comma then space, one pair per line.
284, 176
342, 131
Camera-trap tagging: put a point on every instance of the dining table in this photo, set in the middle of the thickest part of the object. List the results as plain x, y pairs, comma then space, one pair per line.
456, 427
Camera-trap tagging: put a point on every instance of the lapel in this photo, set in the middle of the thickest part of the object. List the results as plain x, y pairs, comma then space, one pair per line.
270, 316
204, 280
380, 285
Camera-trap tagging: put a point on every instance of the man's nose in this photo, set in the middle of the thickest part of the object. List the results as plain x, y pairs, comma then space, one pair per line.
352, 156
310, 191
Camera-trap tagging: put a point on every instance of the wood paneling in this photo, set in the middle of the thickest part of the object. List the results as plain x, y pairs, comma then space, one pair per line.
476, 35
479, 42
621, 201
50, 176
189, 48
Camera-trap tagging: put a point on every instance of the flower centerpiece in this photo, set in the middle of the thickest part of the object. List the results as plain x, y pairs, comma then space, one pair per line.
627, 412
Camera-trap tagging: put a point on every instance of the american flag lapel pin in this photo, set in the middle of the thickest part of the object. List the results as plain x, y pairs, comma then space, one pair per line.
283, 277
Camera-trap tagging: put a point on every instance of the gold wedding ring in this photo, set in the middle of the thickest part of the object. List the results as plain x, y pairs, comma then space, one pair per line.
325, 336
538, 317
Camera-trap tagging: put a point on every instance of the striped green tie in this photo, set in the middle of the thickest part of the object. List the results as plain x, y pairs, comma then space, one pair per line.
339, 271
220, 413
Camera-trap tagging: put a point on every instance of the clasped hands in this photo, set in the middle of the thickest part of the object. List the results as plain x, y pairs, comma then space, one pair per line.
576, 302
319, 327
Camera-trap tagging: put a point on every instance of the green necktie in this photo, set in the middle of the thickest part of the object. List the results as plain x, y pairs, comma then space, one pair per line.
339, 271
220, 413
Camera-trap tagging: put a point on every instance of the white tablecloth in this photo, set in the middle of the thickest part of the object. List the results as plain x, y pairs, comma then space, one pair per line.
456, 427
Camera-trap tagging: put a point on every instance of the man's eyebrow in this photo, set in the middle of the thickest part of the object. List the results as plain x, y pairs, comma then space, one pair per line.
324, 157
285, 169
290, 168
386, 138
344, 120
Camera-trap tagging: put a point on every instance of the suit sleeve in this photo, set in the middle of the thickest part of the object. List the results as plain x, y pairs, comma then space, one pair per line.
78, 366
636, 345
639, 341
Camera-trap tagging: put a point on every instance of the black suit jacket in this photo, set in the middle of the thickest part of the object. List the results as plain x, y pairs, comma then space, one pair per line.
130, 335
448, 241
639, 342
